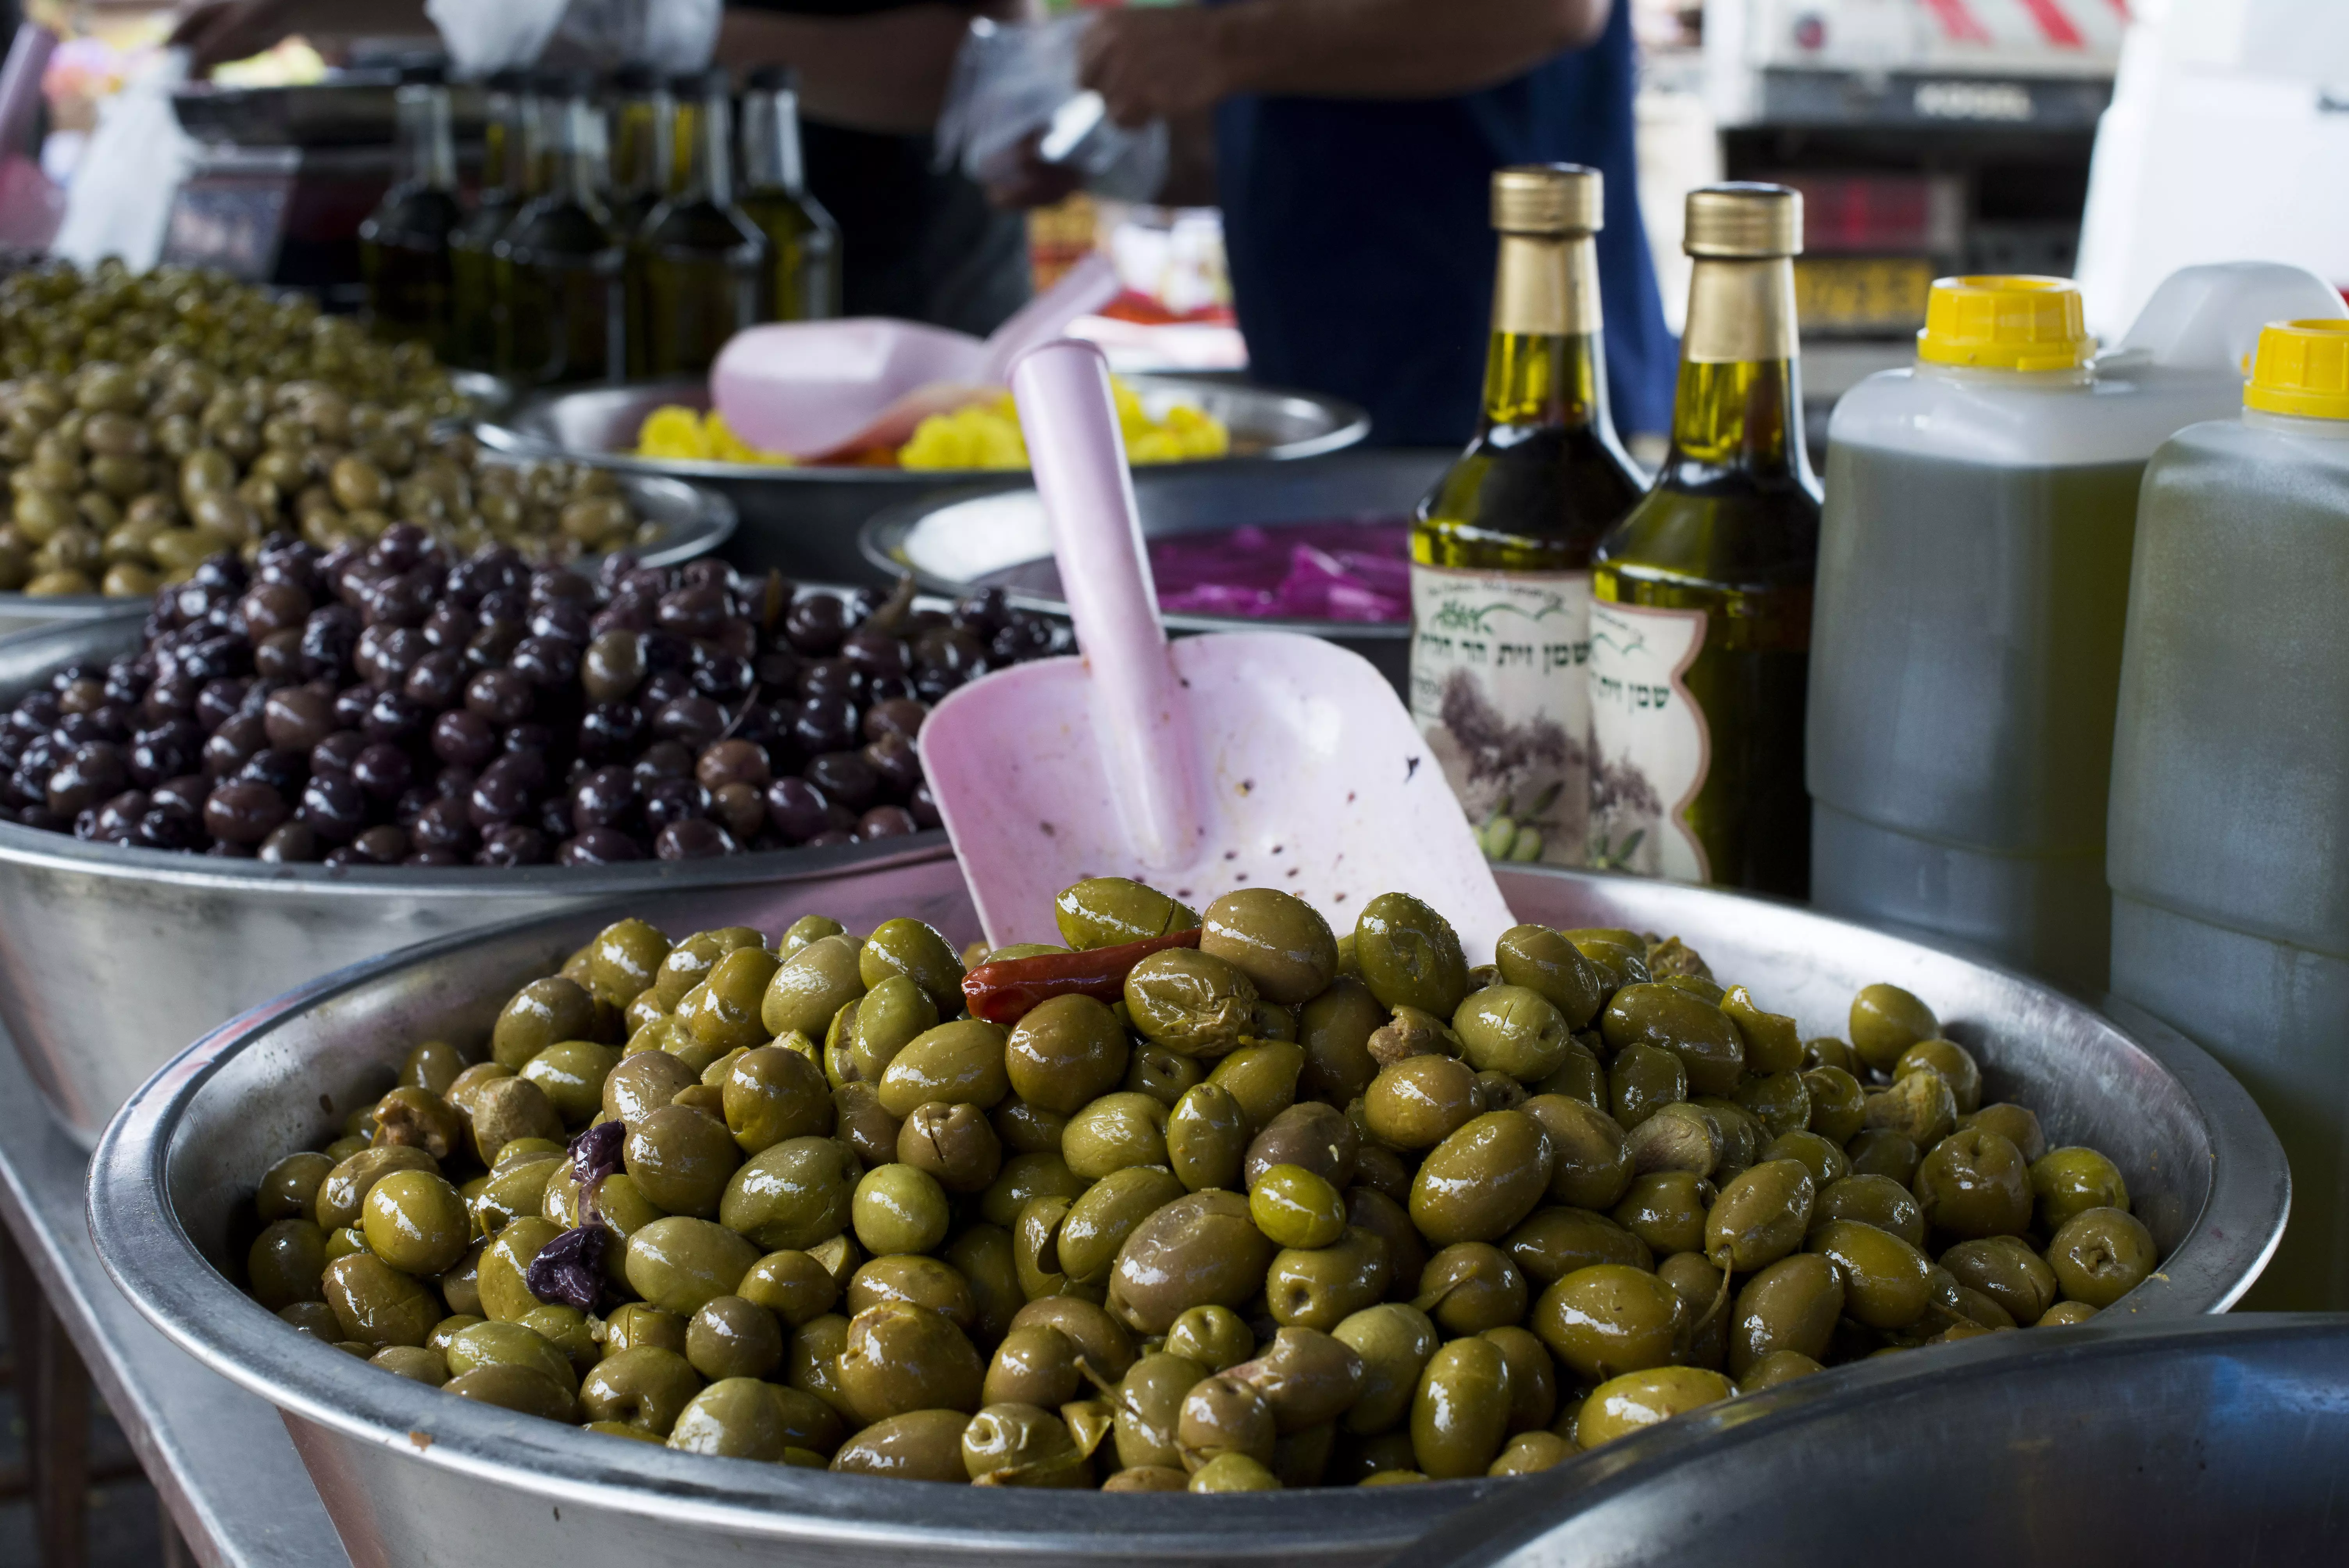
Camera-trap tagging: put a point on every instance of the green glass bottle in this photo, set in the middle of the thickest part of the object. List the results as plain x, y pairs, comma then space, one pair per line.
643, 120
404, 242
473, 334
1501, 548
696, 270
1701, 613
558, 263
805, 276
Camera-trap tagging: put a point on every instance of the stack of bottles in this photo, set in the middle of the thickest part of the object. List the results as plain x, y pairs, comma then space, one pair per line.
623, 228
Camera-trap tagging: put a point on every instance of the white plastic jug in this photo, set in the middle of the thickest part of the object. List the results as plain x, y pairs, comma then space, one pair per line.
1973, 571
2229, 828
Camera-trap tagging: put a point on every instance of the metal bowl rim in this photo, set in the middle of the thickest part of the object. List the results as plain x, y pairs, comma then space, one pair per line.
132, 1221
894, 522
1351, 425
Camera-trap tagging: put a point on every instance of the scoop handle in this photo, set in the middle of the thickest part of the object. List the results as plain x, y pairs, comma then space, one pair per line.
1139, 720
1083, 289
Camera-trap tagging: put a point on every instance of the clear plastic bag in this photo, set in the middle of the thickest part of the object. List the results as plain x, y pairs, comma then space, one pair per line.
669, 34
1015, 84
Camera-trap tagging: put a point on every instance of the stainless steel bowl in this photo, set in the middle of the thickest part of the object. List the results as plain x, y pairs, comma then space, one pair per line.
694, 519
803, 521
2218, 1443
962, 539
111, 959
410, 1475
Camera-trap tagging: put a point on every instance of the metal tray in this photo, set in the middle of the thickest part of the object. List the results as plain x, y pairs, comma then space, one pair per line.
111, 959
2218, 1443
803, 521
409, 1475
695, 519
953, 542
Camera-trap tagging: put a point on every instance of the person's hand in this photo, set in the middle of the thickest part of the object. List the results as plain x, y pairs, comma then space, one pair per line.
1152, 63
220, 30
1026, 181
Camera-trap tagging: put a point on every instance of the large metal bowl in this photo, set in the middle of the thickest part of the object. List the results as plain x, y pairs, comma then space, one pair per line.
962, 539
694, 519
2218, 1443
803, 521
410, 1475
111, 959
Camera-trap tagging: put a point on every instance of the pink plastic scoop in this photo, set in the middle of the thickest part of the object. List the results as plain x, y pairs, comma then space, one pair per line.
819, 388
1235, 760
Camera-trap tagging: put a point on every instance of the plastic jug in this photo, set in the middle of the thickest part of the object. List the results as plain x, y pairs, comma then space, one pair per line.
1973, 572
2229, 828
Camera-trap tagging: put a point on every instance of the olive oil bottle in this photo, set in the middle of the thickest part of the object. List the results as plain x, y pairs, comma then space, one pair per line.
696, 270
404, 242
1701, 611
473, 333
1501, 548
643, 122
805, 275
558, 264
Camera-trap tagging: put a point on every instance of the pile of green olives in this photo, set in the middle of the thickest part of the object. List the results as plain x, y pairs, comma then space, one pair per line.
125, 478
1266, 1207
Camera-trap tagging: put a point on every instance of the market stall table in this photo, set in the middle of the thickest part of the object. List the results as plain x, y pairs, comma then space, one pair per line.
220, 1459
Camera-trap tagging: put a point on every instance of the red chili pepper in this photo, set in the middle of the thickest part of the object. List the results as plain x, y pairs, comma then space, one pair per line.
1003, 993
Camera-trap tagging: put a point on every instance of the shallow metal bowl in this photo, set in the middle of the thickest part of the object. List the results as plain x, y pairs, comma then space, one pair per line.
2215, 1443
962, 539
803, 521
694, 519
111, 959
410, 1475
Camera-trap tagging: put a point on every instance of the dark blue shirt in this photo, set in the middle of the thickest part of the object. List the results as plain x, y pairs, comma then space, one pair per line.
1362, 249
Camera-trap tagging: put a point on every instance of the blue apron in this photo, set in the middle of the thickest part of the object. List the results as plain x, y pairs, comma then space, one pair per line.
1362, 248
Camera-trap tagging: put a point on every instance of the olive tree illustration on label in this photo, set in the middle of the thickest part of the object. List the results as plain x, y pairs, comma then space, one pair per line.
1498, 687
1649, 749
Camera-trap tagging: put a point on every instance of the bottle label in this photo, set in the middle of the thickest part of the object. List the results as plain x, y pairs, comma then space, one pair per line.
1650, 748
1498, 687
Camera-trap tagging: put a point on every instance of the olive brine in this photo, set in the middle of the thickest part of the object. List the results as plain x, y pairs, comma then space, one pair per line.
386, 706
1214, 1202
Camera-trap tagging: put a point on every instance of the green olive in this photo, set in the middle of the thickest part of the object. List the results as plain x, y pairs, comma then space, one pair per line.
1579, 1076
1533, 1376
1220, 1416
806, 929
1610, 1319
1975, 1183
772, 1094
1335, 1028
1876, 1201
1297, 1207
510, 1108
1952, 1061
1760, 1216
514, 1387
1471, 1286
511, 1345
724, 1012
1278, 941
287, 1262
415, 1221
1027, 1129
624, 960
914, 950
2064, 1182
1197, 1250
643, 1082
1261, 1078
961, 1062
1307, 1377
1544, 961
1065, 1051
681, 1264
1887, 1282
635, 1325
1641, 1080
1115, 1132
795, 1194
898, 1208
1778, 1366
730, 1336
1235, 1472
1019, 1444
1678, 1137
342, 1192
1667, 1211
2016, 1124
1625, 1405
955, 1144
1394, 1342
1511, 1029
1459, 1414
2005, 1269
420, 1118
416, 1363
1207, 1138
1026, 1177
1191, 1003
1110, 912
1825, 1160
1482, 1179
2099, 1256
1919, 1107
289, 1189
1319, 1138
540, 1014
1321, 1287
1590, 1166
1773, 1043
1212, 1336
896, 1358
1554, 1242
1838, 1104
1882, 1152
1529, 1453
921, 1445
1693, 1029
1886, 1021
571, 1074
1419, 1102
861, 1122
1102, 1342
1099, 1221
374, 1303
646, 1387
1148, 1478
1408, 955
737, 1417
1036, 1365
682, 1160
1780, 1102
813, 984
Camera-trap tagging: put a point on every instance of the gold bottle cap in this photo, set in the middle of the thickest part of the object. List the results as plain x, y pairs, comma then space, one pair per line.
1546, 199
1753, 222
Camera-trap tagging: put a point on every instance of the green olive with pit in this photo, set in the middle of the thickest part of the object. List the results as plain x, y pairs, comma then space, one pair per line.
646, 1387
1065, 1051
682, 1160
1277, 939
376, 1304
287, 1262
1693, 1029
1297, 1207
1511, 1029
1610, 1319
1838, 1102
1408, 955
810, 986
1113, 1132
772, 1094
1191, 1003
2064, 1182
1321, 1287
1110, 912
921, 1445
961, 1062
2006, 1270
1975, 1183
2099, 1256
540, 1014
1642, 1079
1544, 961
795, 1194
1590, 1165
1471, 1286
1419, 1102
1335, 1028
1886, 1021
1460, 1413
1666, 1209
897, 1359
1198, 1250
900, 1208
680, 1264
1481, 1180
1760, 1215
415, 1221
1636, 1400
1887, 1284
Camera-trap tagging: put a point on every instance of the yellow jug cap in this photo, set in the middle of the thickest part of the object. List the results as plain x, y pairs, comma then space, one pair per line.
2006, 324
2300, 367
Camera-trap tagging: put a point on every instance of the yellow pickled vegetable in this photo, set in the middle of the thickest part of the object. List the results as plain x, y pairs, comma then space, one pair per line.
679, 434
